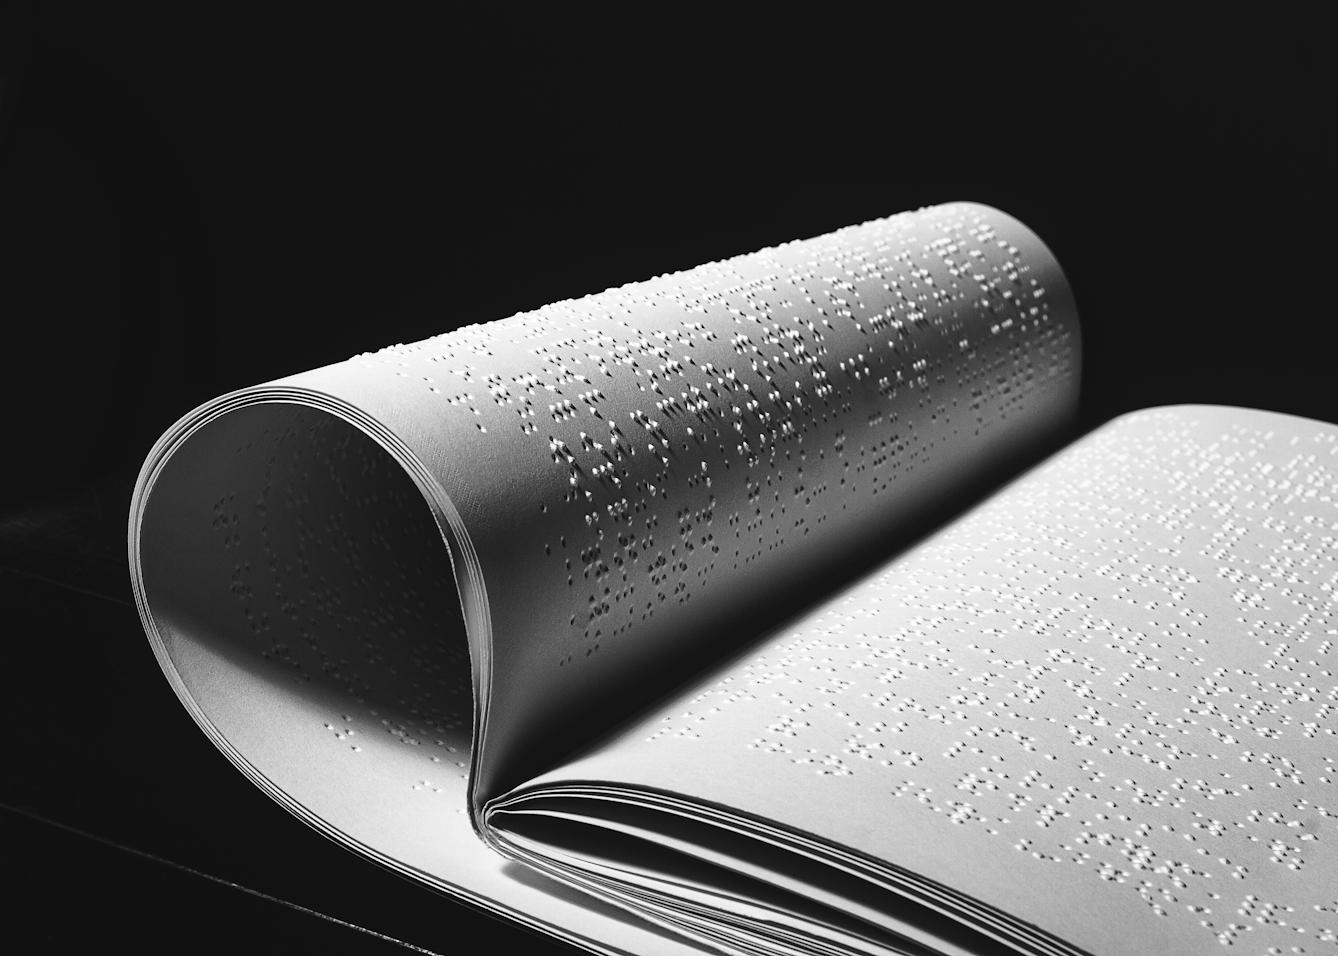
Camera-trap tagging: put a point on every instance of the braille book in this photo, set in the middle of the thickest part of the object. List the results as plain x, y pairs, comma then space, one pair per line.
762, 608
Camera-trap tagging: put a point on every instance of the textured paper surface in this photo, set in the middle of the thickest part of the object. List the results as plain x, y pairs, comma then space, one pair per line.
1104, 702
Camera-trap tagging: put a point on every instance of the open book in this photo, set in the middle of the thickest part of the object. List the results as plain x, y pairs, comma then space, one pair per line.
576, 615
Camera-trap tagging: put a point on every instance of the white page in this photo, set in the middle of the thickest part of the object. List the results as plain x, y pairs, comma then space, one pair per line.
619, 481
1104, 703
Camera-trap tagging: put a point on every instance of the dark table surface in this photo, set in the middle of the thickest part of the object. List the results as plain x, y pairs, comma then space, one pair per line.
195, 199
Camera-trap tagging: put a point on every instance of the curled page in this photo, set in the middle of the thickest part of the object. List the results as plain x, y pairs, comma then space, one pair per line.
396, 588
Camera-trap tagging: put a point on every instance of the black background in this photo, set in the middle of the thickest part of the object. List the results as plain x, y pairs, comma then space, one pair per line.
194, 199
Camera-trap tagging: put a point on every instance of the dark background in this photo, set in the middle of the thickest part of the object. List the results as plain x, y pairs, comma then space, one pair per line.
194, 199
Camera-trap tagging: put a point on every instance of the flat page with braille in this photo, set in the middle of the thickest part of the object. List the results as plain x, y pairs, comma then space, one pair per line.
620, 619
